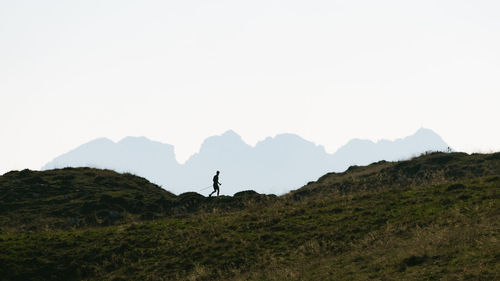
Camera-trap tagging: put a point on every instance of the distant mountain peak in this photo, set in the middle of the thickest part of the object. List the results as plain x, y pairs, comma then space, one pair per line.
133, 139
142, 141
281, 162
427, 135
288, 136
100, 141
281, 138
228, 136
425, 131
231, 133
357, 141
228, 140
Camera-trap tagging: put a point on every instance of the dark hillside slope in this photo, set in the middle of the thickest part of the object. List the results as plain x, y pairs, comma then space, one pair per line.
434, 217
76, 197
84, 197
432, 168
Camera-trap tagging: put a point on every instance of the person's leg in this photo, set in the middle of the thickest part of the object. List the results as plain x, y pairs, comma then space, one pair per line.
217, 191
212, 193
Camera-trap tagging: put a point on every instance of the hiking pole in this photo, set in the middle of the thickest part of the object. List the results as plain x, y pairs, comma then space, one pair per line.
205, 188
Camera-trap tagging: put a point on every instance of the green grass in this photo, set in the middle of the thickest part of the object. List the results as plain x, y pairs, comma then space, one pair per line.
434, 217
75, 198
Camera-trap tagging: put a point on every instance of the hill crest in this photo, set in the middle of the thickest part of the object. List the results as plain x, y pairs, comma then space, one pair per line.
433, 217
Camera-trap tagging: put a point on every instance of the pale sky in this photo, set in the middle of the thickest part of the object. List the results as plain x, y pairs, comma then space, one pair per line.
180, 71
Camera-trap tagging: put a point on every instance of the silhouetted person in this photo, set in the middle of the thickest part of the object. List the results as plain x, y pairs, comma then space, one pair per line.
216, 184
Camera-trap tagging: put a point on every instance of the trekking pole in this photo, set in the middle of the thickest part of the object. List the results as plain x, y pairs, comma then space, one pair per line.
205, 188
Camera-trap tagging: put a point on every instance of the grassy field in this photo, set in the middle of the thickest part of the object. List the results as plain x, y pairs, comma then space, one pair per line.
434, 217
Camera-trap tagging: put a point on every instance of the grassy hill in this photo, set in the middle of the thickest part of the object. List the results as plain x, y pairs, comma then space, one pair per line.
434, 217
74, 198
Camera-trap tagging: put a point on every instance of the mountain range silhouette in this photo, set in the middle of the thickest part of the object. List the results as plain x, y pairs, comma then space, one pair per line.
274, 165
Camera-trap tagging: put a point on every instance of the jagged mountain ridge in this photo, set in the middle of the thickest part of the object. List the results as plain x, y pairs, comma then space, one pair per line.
274, 165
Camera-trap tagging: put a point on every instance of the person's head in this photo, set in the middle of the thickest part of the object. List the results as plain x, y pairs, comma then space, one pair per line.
218, 172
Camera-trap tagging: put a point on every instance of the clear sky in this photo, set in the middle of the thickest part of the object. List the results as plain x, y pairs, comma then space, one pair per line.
180, 71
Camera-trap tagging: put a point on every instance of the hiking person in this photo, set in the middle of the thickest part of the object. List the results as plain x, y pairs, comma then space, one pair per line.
216, 184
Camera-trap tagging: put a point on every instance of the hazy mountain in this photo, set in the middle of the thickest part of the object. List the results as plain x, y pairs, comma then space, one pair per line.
274, 165
362, 152
139, 155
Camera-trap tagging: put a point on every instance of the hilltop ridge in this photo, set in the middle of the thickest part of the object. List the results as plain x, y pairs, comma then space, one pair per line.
87, 197
432, 217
